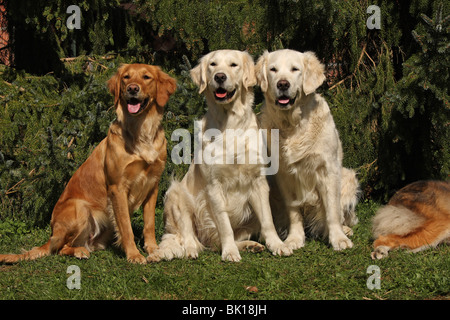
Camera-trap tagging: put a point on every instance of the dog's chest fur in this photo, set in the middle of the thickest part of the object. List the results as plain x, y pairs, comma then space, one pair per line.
141, 182
146, 155
303, 148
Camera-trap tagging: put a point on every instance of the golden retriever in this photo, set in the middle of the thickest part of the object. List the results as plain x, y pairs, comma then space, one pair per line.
218, 204
120, 175
417, 217
317, 192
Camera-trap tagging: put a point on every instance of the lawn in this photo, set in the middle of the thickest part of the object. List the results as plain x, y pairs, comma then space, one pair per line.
313, 272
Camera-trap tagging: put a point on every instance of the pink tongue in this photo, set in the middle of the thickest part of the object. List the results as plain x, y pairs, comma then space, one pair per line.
283, 101
221, 95
133, 108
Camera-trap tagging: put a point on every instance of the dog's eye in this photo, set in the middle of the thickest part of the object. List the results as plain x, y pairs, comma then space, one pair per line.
146, 77
126, 77
233, 65
273, 69
294, 69
213, 64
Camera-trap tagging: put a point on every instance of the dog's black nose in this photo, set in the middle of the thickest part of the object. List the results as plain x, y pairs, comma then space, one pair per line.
132, 88
283, 84
220, 77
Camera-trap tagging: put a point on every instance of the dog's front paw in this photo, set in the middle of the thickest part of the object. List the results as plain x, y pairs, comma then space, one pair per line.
231, 255
151, 248
279, 248
340, 242
380, 252
136, 258
191, 252
295, 243
154, 257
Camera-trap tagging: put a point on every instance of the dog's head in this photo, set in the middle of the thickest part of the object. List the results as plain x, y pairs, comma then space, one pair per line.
285, 76
223, 74
136, 87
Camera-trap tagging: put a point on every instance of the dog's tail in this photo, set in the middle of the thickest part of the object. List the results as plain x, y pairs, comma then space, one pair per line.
350, 193
35, 253
397, 220
52, 245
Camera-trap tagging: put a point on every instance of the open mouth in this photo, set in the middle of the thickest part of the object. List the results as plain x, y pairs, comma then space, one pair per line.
223, 95
135, 105
285, 101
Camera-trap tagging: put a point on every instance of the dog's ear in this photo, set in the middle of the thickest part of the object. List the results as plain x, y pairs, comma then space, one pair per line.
261, 71
249, 77
198, 74
314, 74
166, 85
114, 84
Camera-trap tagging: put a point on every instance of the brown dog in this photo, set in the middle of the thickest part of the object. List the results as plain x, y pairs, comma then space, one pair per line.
417, 217
121, 174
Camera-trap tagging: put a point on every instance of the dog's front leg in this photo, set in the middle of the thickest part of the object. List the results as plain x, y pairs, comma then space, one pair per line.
330, 189
230, 251
296, 237
121, 213
259, 200
149, 221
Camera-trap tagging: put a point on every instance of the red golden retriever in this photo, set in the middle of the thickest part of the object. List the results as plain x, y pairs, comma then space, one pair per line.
121, 174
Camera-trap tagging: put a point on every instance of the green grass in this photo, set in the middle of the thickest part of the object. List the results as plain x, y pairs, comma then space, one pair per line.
313, 272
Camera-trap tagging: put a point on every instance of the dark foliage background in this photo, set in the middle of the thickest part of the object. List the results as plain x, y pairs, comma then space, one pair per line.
388, 88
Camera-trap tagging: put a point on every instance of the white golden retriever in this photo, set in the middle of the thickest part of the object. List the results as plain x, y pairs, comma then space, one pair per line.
317, 192
221, 205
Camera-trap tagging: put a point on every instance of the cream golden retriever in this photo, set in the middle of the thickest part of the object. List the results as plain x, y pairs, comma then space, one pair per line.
316, 191
218, 204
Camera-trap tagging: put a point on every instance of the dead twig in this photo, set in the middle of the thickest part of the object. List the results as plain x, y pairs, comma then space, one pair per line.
11, 190
363, 51
21, 89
